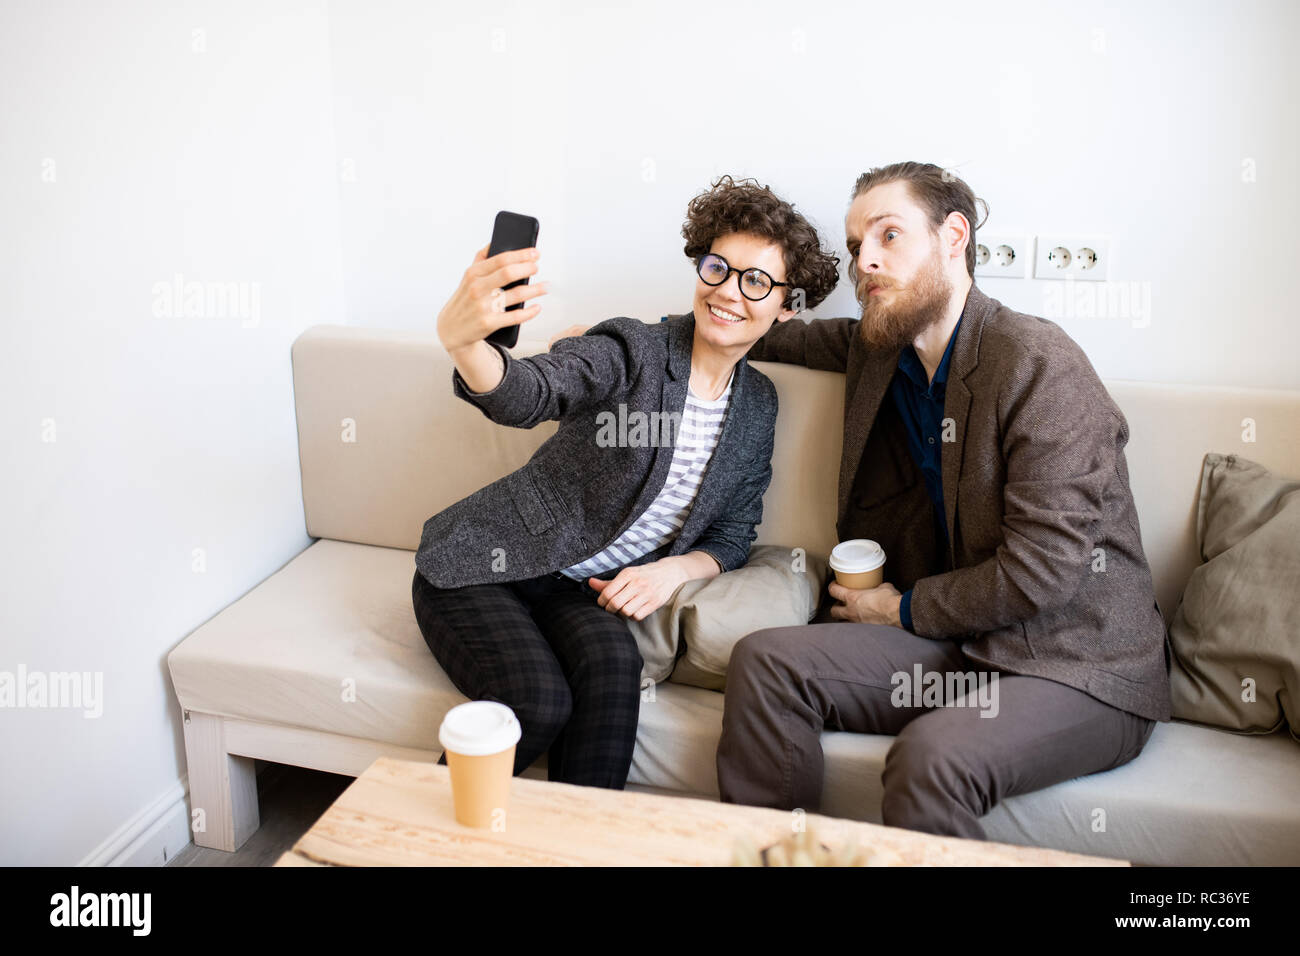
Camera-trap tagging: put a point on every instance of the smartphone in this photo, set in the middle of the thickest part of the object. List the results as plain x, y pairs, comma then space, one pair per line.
511, 231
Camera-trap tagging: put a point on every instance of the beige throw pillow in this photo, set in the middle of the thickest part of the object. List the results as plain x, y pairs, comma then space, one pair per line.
703, 620
1236, 634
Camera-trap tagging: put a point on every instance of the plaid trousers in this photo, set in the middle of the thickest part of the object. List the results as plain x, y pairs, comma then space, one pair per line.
569, 669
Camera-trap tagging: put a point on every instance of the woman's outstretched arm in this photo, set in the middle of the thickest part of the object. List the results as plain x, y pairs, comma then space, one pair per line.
577, 372
523, 392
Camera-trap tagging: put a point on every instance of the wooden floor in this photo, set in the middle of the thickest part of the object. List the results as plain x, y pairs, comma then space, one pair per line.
290, 799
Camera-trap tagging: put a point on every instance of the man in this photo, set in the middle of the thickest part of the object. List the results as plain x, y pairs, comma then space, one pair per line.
983, 453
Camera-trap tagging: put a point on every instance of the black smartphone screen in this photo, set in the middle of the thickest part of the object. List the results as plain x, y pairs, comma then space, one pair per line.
511, 231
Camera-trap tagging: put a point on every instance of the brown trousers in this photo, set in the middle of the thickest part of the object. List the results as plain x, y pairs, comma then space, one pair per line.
948, 766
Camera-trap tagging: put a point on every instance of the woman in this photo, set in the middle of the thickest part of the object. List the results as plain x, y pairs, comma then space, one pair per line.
654, 477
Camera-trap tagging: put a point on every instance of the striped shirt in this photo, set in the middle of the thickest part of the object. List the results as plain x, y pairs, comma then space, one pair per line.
660, 523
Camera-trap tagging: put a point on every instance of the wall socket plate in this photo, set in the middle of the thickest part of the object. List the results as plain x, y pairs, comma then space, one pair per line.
1004, 255
1072, 257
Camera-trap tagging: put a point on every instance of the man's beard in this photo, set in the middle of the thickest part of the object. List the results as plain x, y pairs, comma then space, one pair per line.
913, 310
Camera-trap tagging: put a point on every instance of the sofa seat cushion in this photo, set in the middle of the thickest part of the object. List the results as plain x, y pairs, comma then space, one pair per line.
334, 623
1195, 796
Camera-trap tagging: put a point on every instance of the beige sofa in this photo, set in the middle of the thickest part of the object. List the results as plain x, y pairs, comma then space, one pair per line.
322, 664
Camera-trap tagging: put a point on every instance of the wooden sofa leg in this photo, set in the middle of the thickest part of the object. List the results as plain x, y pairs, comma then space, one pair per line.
223, 787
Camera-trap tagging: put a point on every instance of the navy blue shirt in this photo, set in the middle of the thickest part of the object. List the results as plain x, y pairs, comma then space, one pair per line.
920, 406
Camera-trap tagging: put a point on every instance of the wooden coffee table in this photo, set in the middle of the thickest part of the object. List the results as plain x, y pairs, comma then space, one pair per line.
399, 813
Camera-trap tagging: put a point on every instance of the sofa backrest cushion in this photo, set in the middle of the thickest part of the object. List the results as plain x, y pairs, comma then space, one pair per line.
383, 444
1171, 429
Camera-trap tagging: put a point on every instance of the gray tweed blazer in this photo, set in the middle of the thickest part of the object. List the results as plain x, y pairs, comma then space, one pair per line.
1046, 575
579, 492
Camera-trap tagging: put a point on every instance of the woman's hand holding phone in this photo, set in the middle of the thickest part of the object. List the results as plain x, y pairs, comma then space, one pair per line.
478, 308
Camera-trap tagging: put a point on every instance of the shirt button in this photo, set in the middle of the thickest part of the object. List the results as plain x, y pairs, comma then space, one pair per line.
931, 439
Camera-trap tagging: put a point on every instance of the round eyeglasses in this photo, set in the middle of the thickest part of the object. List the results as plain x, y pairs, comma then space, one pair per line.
755, 284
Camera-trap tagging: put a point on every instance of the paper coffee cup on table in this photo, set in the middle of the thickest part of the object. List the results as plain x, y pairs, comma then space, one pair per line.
479, 738
858, 563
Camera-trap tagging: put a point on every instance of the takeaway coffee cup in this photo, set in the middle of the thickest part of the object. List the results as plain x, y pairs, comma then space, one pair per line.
858, 563
480, 739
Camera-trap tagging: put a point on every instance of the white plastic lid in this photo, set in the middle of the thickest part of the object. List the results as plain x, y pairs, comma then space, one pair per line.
479, 728
856, 555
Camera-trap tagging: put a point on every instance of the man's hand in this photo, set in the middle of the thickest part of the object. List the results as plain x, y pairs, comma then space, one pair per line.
878, 605
571, 330
640, 590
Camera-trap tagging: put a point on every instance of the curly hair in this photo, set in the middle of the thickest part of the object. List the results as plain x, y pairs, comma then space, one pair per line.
732, 206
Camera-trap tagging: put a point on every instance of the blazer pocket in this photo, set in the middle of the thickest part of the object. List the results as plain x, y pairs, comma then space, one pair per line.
530, 504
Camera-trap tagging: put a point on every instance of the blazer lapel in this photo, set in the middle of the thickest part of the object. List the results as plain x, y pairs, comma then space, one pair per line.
860, 415
677, 379
957, 401
729, 438
956, 406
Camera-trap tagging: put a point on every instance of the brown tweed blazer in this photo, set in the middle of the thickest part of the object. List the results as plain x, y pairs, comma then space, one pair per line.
1045, 570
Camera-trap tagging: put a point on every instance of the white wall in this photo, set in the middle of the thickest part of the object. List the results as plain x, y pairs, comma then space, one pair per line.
1128, 120
171, 433
346, 161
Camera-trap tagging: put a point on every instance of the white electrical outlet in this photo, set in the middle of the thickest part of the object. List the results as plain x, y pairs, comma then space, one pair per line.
1005, 256
1072, 257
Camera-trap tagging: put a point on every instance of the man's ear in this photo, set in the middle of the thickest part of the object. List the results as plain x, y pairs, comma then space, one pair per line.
956, 227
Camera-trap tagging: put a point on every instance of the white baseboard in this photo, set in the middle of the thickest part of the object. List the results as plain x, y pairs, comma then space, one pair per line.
153, 836
162, 829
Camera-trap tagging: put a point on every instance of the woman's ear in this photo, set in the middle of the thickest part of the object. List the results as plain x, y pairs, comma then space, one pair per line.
786, 314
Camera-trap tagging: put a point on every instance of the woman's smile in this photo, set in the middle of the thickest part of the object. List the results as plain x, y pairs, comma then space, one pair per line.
725, 317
